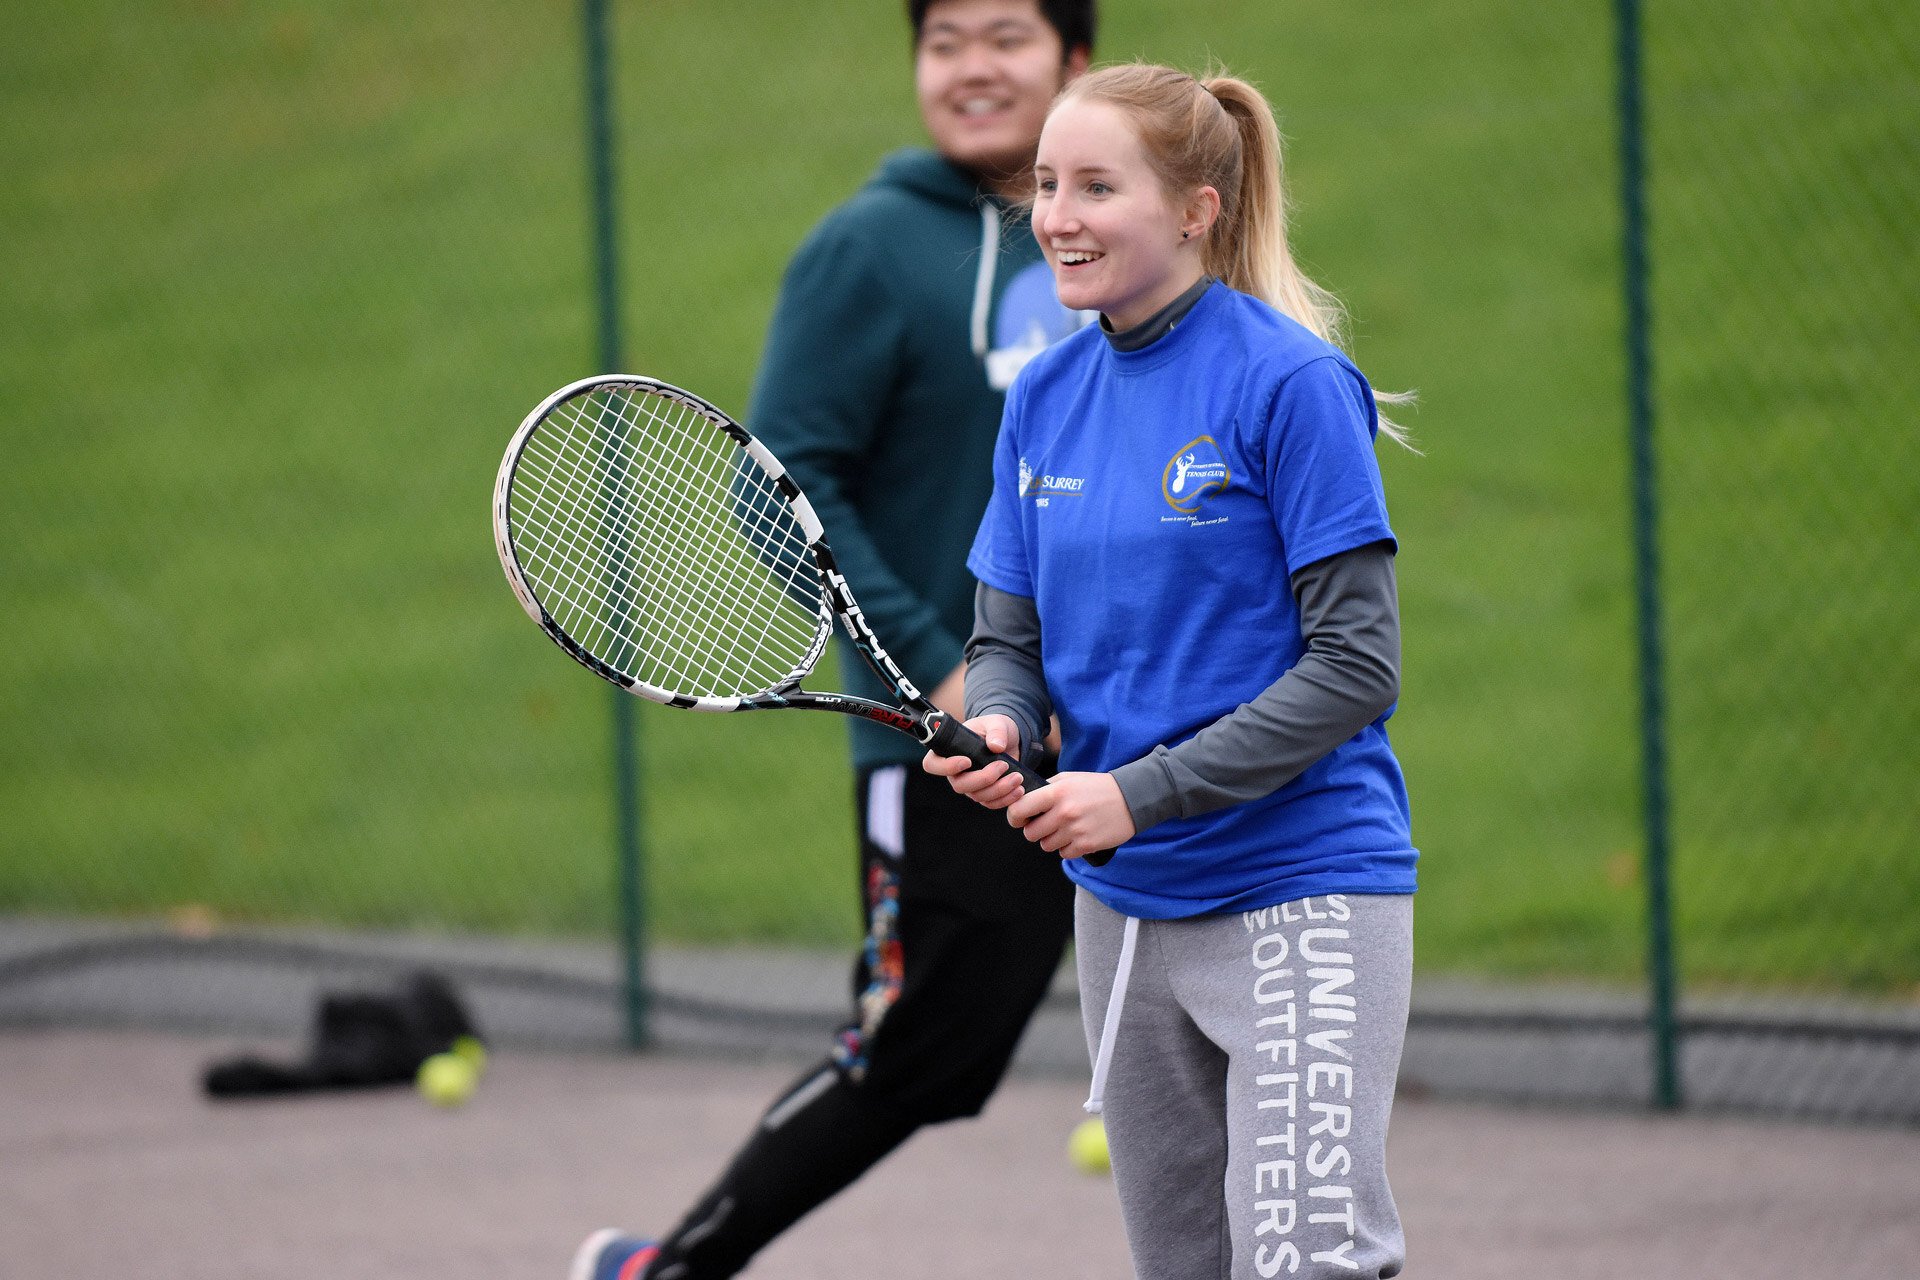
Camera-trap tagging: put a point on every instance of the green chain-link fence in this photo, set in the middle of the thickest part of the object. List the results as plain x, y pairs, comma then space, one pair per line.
1785, 194
278, 279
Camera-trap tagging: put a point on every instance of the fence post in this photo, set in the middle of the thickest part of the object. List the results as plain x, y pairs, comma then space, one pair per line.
1640, 415
626, 746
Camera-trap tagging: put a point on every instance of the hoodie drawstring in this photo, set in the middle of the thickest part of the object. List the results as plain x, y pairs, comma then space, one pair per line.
983, 280
1110, 1030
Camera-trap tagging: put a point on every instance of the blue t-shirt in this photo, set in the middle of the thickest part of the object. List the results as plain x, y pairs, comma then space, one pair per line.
1154, 504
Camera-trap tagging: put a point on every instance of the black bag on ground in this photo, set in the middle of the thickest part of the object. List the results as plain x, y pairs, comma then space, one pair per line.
359, 1039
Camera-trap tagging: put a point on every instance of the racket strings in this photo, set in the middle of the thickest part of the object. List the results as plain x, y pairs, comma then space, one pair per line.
576, 500
763, 514
607, 468
705, 671
661, 548
591, 604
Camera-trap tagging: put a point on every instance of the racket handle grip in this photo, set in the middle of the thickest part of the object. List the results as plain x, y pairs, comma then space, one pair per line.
951, 738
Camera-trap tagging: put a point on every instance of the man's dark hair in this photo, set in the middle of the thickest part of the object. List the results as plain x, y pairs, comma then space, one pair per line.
1072, 19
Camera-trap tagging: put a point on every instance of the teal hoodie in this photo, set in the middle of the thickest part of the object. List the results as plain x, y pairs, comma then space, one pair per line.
881, 387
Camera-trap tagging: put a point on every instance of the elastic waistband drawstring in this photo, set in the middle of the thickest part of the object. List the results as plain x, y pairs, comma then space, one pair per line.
1110, 1029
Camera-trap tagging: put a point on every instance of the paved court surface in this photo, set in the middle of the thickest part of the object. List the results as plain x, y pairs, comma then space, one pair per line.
1555, 1044
112, 1165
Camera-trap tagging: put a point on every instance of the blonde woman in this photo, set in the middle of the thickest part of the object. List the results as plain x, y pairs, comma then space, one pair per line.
1187, 558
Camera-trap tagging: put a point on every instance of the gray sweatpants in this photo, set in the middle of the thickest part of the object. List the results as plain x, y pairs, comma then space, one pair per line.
1252, 1073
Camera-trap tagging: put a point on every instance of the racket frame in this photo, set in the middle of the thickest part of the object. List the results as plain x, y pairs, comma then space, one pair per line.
913, 715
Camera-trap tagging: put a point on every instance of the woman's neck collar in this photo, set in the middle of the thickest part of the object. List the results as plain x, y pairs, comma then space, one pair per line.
1160, 323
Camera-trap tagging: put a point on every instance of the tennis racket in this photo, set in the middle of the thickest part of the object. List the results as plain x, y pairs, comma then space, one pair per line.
668, 552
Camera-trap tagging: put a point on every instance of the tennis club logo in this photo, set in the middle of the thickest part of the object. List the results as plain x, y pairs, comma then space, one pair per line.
1026, 478
1192, 473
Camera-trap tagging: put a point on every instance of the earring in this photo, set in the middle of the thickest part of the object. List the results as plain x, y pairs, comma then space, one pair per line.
1185, 234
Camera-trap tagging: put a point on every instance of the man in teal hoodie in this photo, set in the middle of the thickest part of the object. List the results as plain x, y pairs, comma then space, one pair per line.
901, 321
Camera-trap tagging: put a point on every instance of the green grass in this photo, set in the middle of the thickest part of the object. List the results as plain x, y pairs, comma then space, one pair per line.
280, 278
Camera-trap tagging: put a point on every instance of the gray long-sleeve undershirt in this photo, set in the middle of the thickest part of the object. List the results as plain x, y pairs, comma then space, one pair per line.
1348, 675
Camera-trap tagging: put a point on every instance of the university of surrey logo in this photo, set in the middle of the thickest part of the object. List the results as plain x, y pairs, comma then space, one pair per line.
1043, 489
1196, 470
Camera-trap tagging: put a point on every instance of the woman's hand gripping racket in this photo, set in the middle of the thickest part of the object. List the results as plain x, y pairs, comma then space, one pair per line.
667, 551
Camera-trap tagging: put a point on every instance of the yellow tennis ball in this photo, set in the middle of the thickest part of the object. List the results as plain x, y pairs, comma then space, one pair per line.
446, 1079
1087, 1147
475, 1053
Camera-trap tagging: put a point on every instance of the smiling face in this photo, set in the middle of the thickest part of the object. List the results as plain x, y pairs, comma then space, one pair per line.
1106, 224
985, 72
